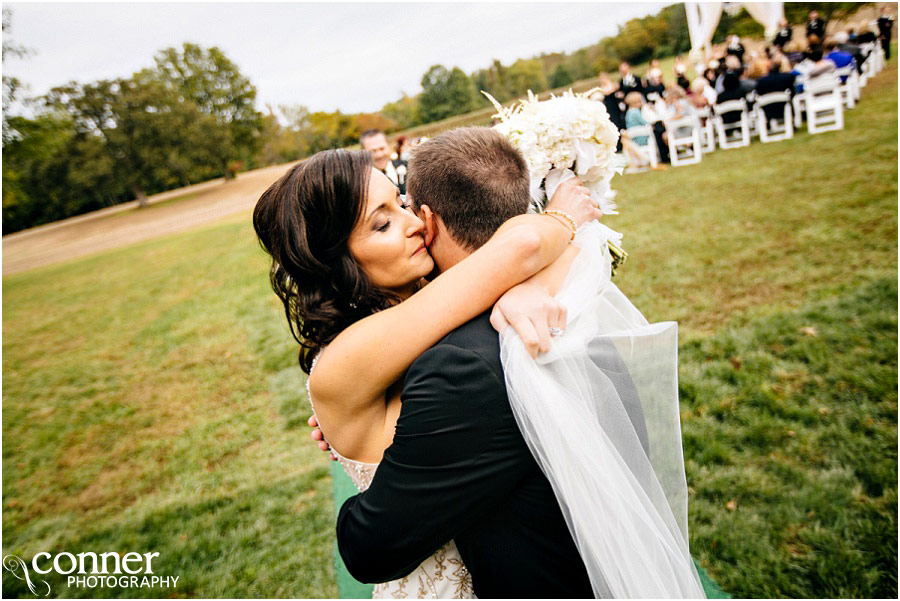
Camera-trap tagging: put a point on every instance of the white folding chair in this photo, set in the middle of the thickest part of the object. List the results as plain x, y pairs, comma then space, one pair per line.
853, 81
684, 135
798, 102
649, 150
868, 66
707, 130
751, 113
878, 52
742, 125
824, 108
773, 130
846, 88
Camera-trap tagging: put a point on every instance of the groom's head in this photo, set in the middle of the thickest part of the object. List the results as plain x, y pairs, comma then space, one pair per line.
464, 184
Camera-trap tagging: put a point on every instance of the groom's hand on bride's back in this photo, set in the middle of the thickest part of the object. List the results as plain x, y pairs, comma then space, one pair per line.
317, 435
573, 198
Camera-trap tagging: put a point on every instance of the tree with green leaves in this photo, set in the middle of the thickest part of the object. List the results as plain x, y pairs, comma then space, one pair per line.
561, 76
12, 86
405, 111
524, 75
445, 93
151, 138
210, 80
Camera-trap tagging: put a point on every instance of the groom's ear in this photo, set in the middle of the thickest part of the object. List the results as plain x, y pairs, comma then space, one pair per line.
427, 215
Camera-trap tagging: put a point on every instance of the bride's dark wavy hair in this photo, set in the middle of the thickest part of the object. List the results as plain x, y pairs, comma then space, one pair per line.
304, 221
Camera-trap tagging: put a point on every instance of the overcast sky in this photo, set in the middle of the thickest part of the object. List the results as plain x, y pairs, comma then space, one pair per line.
349, 56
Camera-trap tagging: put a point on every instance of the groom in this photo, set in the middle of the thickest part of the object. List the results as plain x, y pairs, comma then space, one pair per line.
458, 467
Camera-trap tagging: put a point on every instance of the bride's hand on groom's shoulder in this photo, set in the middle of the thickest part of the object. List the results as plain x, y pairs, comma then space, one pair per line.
317, 435
573, 198
532, 312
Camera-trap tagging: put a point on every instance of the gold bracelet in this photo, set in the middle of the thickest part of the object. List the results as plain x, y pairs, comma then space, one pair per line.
571, 220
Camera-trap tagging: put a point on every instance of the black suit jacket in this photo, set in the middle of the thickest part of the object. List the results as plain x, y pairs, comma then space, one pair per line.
775, 82
816, 28
635, 86
783, 36
459, 469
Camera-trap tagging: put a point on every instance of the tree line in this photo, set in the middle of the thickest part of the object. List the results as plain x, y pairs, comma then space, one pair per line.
191, 116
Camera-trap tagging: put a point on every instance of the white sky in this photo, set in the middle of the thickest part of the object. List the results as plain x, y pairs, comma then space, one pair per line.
349, 56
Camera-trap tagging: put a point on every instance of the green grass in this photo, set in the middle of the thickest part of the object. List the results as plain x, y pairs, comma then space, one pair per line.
152, 401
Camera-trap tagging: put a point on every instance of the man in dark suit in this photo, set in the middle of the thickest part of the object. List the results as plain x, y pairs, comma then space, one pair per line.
376, 142
629, 82
885, 26
785, 32
775, 81
815, 26
458, 467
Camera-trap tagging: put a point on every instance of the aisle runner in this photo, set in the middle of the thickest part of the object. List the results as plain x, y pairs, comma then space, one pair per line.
348, 588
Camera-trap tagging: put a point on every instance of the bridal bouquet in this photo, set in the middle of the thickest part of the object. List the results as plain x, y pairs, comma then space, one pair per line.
560, 138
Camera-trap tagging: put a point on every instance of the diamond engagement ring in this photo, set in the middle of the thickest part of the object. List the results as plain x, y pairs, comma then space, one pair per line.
554, 332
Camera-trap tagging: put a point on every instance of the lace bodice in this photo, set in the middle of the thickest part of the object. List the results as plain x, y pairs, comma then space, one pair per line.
441, 576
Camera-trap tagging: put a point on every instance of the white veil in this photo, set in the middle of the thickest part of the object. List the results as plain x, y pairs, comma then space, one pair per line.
600, 415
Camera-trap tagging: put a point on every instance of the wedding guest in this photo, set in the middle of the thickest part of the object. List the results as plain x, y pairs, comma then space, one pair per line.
677, 107
635, 118
654, 120
815, 26
654, 86
865, 34
629, 82
681, 68
711, 73
785, 32
733, 67
793, 50
402, 146
840, 58
702, 94
732, 90
611, 101
885, 26
821, 68
735, 48
773, 80
813, 41
845, 44
376, 143
756, 69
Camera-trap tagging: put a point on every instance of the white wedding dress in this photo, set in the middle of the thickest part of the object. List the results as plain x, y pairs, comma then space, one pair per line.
441, 576
600, 414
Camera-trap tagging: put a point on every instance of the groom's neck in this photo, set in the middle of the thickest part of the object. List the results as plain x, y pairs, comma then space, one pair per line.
449, 253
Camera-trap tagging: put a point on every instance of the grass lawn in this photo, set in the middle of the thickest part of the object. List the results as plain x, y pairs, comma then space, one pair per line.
152, 401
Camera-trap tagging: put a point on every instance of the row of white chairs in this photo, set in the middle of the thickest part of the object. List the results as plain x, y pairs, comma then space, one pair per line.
823, 101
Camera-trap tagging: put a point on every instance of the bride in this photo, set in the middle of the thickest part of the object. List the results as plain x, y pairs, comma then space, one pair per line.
349, 260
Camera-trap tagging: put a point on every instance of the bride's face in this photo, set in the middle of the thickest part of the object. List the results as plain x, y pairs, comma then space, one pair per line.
389, 241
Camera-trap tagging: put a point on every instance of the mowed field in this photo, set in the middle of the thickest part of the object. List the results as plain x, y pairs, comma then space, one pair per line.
152, 401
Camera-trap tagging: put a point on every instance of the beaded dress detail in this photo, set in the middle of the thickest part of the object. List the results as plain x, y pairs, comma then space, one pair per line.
441, 576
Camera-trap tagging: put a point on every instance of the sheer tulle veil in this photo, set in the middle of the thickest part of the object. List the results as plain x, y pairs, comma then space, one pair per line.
600, 414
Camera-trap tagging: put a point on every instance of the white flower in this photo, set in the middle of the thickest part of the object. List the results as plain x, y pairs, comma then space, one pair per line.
564, 132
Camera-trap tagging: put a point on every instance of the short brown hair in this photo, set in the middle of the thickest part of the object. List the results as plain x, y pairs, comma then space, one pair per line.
758, 68
473, 178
